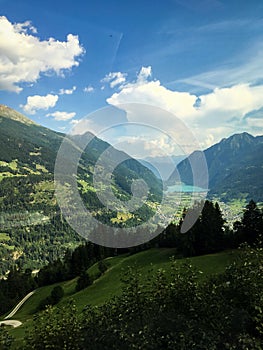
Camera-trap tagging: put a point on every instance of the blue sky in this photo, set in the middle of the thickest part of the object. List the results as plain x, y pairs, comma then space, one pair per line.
199, 61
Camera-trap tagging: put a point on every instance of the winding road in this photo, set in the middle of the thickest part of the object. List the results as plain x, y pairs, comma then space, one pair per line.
15, 323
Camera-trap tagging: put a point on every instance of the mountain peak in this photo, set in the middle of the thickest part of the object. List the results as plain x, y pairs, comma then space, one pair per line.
236, 137
10, 113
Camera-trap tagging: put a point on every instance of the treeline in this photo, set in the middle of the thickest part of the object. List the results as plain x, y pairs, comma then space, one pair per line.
164, 312
211, 234
73, 264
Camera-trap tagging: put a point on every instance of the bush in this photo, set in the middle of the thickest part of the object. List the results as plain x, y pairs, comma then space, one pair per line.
6, 340
83, 281
54, 329
55, 296
102, 266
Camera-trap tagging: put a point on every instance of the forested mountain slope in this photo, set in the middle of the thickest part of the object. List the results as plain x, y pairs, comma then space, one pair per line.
32, 230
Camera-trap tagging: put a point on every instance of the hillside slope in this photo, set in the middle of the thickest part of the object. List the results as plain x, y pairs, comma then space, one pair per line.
109, 284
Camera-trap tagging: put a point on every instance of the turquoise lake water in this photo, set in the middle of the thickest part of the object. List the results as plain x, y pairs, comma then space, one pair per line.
184, 188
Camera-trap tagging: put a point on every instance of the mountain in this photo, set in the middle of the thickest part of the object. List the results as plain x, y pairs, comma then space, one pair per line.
235, 167
32, 229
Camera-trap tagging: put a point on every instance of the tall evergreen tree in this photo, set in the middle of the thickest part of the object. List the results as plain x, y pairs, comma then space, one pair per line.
252, 223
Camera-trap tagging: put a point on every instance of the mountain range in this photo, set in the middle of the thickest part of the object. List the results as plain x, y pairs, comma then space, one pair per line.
32, 229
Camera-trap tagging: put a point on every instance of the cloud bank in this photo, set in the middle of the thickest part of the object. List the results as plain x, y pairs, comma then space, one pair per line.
210, 116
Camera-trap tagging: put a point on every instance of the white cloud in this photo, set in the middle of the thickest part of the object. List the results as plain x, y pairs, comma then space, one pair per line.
62, 116
219, 114
67, 91
37, 102
233, 102
153, 93
114, 79
24, 56
88, 89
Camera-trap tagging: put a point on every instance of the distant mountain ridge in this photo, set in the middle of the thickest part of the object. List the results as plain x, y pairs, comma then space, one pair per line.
235, 167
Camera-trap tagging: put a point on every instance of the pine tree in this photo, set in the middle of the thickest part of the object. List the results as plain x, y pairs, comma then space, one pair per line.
252, 223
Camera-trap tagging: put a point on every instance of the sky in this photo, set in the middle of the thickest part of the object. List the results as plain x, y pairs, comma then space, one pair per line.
154, 75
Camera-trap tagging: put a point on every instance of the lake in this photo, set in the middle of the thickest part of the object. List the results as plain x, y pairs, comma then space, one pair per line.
184, 188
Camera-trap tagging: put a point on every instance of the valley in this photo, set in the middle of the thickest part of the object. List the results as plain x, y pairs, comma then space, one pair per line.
35, 237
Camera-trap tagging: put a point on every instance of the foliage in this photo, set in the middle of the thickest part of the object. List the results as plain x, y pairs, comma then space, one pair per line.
55, 296
102, 266
83, 281
174, 311
6, 340
250, 228
206, 236
54, 329
180, 313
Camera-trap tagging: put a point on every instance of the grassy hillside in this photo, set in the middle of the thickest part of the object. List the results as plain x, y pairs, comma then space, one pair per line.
109, 284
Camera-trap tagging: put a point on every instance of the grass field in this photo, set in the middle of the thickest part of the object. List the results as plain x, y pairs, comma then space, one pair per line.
109, 284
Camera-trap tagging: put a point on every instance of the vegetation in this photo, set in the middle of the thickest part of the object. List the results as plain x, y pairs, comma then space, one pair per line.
55, 296
208, 235
160, 311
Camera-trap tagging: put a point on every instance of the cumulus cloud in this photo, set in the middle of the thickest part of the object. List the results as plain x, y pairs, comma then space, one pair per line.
88, 89
24, 56
67, 91
61, 116
37, 102
210, 116
153, 93
114, 79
